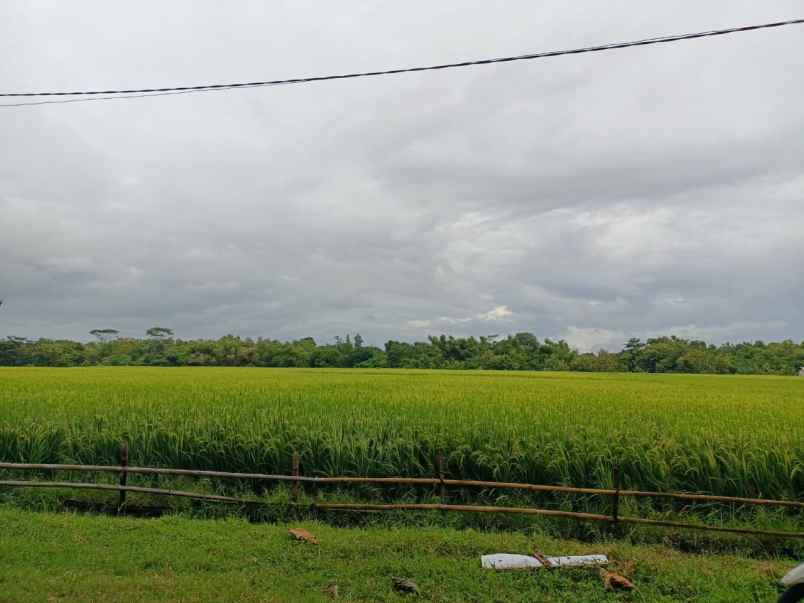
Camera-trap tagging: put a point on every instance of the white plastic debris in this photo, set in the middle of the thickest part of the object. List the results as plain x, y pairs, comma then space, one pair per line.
794, 576
507, 561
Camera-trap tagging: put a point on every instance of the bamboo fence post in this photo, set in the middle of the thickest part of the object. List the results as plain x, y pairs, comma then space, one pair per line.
296, 462
123, 473
615, 502
440, 466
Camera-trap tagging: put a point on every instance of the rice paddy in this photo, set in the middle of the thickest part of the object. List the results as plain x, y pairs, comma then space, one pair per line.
739, 436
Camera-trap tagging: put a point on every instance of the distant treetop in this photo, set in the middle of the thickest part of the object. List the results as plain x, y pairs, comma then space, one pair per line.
159, 332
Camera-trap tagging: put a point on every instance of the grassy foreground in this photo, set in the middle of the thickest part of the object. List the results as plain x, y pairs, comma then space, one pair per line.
65, 557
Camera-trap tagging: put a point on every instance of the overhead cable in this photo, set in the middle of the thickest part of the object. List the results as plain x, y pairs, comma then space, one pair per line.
161, 91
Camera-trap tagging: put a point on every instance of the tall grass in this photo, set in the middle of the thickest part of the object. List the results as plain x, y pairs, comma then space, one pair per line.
741, 436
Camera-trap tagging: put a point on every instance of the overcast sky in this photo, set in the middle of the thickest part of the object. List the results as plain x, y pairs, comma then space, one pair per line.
593, 198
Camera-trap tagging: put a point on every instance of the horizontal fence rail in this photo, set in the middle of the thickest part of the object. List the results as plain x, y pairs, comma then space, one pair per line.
555, 513
402, 481
577, 516
158, 471
114, 488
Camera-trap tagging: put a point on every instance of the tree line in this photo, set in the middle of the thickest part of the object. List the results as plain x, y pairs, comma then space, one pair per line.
523, 351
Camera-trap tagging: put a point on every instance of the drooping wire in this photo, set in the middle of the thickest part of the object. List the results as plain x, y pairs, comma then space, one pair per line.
164, 91
122, 96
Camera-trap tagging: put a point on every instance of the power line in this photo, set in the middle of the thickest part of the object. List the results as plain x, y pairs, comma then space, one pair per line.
123, 96
142, 92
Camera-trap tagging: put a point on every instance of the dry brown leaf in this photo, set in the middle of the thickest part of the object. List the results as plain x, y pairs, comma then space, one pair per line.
768, 570
625, 567
546, 563
332, 591
303, 535
612, 581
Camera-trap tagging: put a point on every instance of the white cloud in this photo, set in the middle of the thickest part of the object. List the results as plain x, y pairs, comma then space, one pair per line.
774, 329
496, 313
593, 339
451, 320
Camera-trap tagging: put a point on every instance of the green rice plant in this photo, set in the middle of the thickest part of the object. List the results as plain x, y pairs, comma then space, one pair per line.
730, 435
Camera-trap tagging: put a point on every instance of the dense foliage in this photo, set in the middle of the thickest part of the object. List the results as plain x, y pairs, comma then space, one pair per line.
522, 351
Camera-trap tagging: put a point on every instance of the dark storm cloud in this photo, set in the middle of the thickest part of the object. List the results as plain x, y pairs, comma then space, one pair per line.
594, 197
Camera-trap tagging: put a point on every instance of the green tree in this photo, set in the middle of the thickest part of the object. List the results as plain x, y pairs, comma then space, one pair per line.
159, 332
632, 353
104, 335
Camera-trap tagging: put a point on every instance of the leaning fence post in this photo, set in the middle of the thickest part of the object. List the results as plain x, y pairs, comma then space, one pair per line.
296, 474
440, 466
615, 503
123, 472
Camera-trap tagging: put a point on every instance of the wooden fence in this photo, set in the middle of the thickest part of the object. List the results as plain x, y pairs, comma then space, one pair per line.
297, 479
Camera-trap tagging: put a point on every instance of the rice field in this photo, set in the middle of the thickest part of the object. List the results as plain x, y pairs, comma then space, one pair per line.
740, 436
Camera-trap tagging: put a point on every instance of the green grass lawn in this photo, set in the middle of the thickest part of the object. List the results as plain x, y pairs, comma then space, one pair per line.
66, 557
